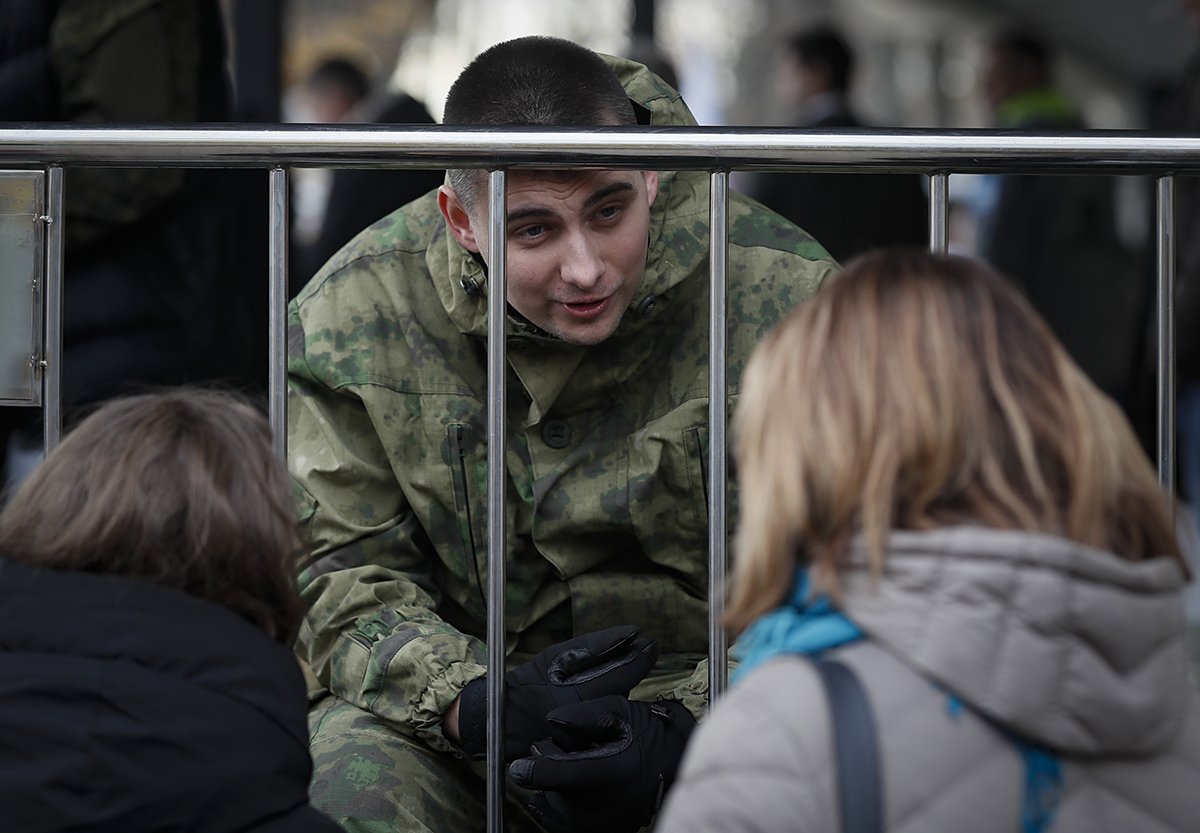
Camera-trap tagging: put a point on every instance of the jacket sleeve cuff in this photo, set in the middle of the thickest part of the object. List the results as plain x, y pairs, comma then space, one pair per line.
693, 691
436, 699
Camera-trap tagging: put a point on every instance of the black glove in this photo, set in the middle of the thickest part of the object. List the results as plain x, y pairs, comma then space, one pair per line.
608, 766
611, 661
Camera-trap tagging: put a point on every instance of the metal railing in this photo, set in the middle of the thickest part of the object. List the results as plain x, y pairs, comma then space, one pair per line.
937, 154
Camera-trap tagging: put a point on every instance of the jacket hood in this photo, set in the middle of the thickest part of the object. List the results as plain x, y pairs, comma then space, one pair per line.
680, 210
1073, 648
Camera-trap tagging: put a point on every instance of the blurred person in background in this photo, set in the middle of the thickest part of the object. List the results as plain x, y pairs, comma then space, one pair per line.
1183, 115
329, 93
334, 89
356, 198
1056, 236
146, 676
160, 269
935, 497
848, 213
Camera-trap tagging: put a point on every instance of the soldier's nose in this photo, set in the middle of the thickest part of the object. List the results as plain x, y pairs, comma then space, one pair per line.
582, 265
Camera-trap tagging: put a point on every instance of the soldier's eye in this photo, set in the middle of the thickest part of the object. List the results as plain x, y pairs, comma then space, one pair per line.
530, 232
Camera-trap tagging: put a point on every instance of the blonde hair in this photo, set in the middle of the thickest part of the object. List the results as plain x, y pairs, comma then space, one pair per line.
918, 391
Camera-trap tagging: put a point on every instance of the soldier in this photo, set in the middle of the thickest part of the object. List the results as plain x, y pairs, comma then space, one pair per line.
606, 469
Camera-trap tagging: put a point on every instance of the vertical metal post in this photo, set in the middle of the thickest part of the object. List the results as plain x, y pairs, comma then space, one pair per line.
939, 212
277, 310
718, 253
52, 360
1165, 321
497, 527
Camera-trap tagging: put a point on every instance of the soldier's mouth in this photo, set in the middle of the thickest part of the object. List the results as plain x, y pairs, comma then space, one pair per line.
587, 310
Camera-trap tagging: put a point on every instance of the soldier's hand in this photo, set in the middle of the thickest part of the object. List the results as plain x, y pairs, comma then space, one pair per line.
607, 662
608, 765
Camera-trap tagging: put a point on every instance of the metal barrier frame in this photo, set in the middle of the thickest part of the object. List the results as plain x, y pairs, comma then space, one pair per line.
31, 283
937, 154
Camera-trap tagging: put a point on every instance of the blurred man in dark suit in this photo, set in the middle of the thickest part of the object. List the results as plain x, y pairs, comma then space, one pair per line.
849, 212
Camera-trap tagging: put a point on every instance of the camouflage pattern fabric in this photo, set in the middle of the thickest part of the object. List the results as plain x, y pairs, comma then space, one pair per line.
372, 779
607, 468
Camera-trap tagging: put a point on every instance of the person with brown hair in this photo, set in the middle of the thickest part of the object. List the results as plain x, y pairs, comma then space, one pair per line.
146, 676
935, 496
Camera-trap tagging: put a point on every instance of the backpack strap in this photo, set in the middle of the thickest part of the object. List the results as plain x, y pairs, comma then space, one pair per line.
860, 787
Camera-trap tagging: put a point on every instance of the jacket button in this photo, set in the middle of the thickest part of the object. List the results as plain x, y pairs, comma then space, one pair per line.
556, 433
645, 306
471, 287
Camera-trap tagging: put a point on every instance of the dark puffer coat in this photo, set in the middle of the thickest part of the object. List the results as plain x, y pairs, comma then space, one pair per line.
127, 707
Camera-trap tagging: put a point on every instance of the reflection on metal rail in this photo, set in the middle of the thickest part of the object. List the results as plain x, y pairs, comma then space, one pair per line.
935, 153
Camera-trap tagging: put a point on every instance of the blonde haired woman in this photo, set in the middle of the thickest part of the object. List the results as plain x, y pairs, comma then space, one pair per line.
933, 495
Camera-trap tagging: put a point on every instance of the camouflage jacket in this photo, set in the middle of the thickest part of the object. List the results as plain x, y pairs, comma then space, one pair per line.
606, 459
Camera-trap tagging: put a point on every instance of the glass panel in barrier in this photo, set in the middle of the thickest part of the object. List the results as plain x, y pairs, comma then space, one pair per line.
21, 253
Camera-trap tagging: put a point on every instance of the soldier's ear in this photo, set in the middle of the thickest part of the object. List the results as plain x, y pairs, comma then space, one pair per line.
458, 219
651, 178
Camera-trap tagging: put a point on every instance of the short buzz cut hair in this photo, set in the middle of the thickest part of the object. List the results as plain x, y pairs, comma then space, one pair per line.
535, 80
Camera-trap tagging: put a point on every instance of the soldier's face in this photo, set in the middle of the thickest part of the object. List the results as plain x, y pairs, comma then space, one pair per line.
576, 247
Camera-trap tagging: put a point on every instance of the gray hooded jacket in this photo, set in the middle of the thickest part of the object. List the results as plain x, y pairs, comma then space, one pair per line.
1073, 649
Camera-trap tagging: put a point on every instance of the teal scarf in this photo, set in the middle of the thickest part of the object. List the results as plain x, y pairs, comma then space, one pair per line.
809, 625
799, 626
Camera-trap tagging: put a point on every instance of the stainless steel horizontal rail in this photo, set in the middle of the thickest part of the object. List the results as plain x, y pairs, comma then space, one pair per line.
701, 148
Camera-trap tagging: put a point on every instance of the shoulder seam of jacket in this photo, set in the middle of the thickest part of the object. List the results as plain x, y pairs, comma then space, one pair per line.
310, 288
